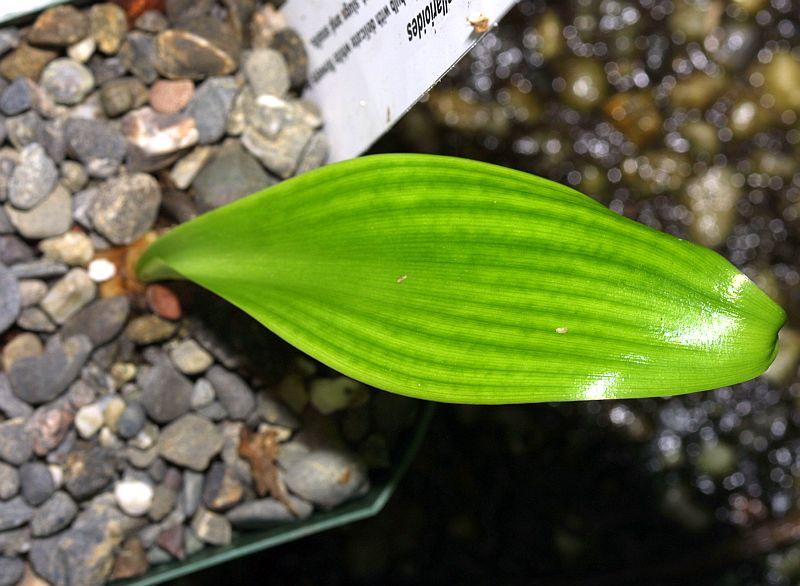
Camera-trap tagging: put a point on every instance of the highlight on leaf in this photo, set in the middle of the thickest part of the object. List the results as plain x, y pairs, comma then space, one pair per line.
459, 281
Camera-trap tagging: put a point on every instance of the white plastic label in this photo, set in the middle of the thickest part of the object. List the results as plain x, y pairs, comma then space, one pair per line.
371, 60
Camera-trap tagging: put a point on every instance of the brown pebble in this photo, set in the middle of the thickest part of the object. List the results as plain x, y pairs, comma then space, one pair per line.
170, 97
131, 560
25, 61
171, 541
163, 302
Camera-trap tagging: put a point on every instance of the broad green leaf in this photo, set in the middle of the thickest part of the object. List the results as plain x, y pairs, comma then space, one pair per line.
459, 281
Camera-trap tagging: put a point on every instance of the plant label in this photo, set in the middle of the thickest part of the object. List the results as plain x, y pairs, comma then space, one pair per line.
371, 60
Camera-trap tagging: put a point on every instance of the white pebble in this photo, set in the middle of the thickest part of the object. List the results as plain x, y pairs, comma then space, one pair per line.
101, 269
134, 497
89, 420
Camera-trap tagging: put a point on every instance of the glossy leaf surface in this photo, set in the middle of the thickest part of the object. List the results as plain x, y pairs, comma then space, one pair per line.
459, 281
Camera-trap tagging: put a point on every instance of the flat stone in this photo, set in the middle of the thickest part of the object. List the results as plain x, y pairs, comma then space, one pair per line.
42, 378
202, 47
230, 175
108, 25
266, 72
41, 268
69, 295
71, 248
171, 96
9, 482
67, 81
100, 321
166, 393
54, 515
190, 357
122, 95
191, 442
138, 55
280, 155
36, 483
16, 443
10, 405
17, 97
211, 106
89, 469
211, 527
98, 144
149, 329
10, 300
13, 250
231, 390
33, 179
289, 44
326, 477
25, 61
126, 207
51, 217
11, 570
59, 26
267, 512
191, 492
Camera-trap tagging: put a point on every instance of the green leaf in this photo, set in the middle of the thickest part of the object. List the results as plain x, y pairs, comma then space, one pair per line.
459, 281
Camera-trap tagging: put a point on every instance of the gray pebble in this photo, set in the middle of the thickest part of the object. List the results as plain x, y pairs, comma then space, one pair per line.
39, 379
15, 541
266, 72
11, 570
51, 136
266, 512
98, 144
17, 97
36, 483
210, 106
10, 300
126, 207
326, 477
32, 291
190, 357
23, 129
51, 217
131, 421
281, 154
13, 250
9, 482
10, 405
164, 499
8, 160
73, 176
6, 227
230, 175
9, 39
101, 321
67, 81
138, 55
214, 411
191, 441
191, 492
231, 390
166, 393
34, 319
54, 515
202, 394
89, 469
16, 443
14, 513
41, 268
122, 95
